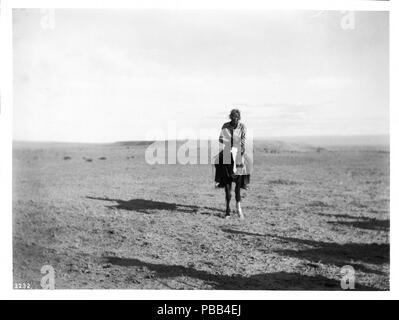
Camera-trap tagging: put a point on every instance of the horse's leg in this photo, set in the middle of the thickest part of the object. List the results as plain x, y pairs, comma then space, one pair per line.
227, 189
238, 196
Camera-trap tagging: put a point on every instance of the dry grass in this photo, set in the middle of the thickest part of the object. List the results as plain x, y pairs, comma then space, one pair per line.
120, 223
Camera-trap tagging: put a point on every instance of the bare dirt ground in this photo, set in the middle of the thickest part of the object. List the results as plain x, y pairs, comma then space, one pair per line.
103, 218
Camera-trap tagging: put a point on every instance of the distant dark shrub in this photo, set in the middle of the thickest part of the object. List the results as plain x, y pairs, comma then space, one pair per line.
102, 158
358, 204
283, 182
67, 158
319, 204
89, 160
274, 151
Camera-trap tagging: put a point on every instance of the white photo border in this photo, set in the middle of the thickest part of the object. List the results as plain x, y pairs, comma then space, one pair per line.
6, 278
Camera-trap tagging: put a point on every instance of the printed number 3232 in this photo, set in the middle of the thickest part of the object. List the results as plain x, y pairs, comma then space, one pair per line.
23, 285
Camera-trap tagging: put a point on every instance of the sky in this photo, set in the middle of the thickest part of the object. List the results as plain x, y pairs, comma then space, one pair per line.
114, 75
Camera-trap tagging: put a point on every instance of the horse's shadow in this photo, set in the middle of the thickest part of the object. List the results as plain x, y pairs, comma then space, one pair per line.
266, 281
149, 206
358, 255
358, 222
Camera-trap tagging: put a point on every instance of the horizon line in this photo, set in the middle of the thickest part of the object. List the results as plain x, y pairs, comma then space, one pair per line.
255, 139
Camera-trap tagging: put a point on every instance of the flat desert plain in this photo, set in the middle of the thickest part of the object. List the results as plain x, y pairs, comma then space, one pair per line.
104, 218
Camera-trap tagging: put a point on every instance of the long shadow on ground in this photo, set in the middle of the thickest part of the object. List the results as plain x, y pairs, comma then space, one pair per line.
358, 222
146, 206
368, 224
353, 254
267, 281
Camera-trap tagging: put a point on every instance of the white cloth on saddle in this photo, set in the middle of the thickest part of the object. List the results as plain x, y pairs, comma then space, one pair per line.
238, 160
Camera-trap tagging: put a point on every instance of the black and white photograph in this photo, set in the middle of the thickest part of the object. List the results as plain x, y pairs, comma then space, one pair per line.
214, 149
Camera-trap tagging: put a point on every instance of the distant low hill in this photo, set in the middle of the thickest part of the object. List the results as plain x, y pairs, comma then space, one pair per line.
278, 146
134, 143
343, 140
268, 146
